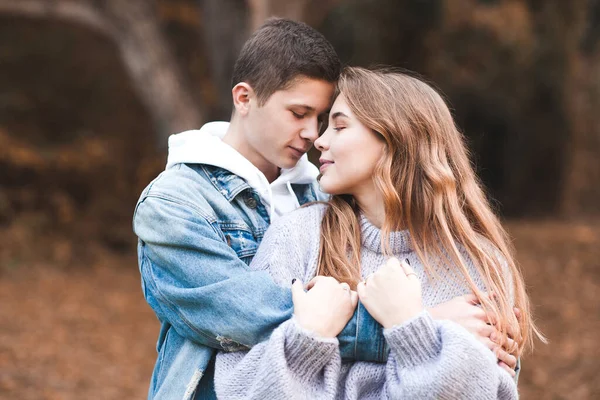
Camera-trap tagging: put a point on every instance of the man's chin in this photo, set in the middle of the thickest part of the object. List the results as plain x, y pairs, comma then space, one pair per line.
289, 163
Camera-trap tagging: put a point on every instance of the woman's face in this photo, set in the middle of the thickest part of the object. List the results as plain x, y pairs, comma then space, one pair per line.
349, 153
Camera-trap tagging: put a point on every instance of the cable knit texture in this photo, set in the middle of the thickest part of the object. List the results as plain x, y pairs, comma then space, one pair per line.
428, 359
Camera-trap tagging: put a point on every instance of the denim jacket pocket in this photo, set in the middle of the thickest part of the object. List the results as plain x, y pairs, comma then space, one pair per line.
241, 241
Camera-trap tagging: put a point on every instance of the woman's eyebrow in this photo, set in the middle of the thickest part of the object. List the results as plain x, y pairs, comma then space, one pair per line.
338, 114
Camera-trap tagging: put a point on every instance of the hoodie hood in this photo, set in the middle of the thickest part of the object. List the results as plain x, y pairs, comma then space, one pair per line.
205, 146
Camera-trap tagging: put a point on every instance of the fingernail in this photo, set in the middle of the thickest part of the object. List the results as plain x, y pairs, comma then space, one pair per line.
293, 281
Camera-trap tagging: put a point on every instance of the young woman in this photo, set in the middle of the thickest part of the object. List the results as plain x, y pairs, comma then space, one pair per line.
402, 189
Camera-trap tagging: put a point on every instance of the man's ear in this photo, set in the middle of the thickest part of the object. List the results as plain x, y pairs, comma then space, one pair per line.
243, 95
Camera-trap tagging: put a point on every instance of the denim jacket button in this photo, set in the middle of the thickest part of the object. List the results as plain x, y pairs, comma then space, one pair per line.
251, 202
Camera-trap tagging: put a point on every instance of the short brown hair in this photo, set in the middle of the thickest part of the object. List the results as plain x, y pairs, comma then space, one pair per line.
280, 51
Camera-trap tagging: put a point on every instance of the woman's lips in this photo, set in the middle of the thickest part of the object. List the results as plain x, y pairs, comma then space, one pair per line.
324, 165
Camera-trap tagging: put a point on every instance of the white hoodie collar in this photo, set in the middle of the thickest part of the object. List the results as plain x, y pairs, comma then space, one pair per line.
205, 146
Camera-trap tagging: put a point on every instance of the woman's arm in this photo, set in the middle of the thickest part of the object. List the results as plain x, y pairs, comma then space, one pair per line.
439, 359
428, 359
289, 250
294, 363
301, 358
466, 312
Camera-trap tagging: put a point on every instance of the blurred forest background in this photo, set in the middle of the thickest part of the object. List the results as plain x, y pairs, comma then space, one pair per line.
91, 89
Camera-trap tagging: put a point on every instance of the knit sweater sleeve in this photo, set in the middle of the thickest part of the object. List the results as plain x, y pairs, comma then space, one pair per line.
440, 359
294, 363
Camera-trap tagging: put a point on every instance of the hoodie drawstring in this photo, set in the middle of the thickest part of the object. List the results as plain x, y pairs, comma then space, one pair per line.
289, 186
271, 203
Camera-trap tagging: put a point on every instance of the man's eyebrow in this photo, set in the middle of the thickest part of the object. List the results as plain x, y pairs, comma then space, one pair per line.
307, 107
338, 115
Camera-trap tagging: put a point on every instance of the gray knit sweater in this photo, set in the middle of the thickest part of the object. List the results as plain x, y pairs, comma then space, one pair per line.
429, 359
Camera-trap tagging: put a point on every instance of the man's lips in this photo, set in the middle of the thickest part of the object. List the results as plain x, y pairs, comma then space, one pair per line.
299, 152
324, 164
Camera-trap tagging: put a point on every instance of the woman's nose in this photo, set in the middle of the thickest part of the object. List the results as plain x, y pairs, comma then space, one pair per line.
321, 142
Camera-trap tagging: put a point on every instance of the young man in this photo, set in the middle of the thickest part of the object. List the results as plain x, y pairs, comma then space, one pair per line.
200, 222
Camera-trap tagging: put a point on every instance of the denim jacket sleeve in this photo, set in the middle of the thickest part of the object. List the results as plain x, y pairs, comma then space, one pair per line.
195, 281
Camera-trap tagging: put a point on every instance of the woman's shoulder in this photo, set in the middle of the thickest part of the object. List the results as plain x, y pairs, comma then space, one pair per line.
299, 228
291, 245
306, 216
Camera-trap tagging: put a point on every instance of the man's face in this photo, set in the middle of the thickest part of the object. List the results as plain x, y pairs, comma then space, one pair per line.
284, 128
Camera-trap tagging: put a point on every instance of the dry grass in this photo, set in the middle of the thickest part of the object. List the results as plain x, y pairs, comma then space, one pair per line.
85, 331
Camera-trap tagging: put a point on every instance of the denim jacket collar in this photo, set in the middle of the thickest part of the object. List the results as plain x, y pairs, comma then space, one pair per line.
226, 182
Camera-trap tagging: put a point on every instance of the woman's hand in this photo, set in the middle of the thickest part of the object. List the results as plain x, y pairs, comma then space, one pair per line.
392, 295
326, 307
464, 311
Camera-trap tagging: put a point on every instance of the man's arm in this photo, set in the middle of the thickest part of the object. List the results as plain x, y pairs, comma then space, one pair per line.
196, 282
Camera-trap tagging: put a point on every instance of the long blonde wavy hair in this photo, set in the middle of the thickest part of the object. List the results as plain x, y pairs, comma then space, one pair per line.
428, 187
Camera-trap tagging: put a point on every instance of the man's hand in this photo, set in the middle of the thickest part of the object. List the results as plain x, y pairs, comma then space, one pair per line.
464, 311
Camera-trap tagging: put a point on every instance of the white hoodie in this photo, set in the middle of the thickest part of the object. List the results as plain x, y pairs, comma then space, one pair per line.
205, 146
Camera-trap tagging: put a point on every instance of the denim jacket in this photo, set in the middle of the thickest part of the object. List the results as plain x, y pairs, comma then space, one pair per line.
199, 227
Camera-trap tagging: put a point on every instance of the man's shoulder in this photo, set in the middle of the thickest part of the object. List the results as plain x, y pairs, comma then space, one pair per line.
204, 188
183, 181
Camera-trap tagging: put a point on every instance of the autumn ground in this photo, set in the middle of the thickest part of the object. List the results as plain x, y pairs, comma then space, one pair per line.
85, 332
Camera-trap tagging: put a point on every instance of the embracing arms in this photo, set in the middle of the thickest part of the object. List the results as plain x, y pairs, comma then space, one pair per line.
429, 359
197, 283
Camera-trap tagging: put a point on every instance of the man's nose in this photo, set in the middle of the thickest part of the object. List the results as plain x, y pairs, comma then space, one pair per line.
311, 131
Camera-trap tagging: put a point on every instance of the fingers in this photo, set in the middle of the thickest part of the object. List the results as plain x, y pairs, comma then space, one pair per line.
393, 262
361, 289
507, 368
354, 298
297, 291
366, 279
488, 343
486, 331
518, 314
313, 281
352, 293
506, 358
508, 344
503, 356
408, 270
319, 278
471, 299
514, 332
490, 318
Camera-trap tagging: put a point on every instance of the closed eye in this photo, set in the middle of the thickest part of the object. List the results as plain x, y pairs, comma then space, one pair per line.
299, 116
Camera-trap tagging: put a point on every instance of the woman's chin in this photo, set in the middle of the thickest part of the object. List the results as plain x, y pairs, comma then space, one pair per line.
325, 186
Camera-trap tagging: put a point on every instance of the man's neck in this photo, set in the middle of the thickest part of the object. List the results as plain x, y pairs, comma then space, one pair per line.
235, 139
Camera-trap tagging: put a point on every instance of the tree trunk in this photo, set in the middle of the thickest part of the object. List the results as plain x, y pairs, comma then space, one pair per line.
225, 28
134, 27
581, 192
310, 11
